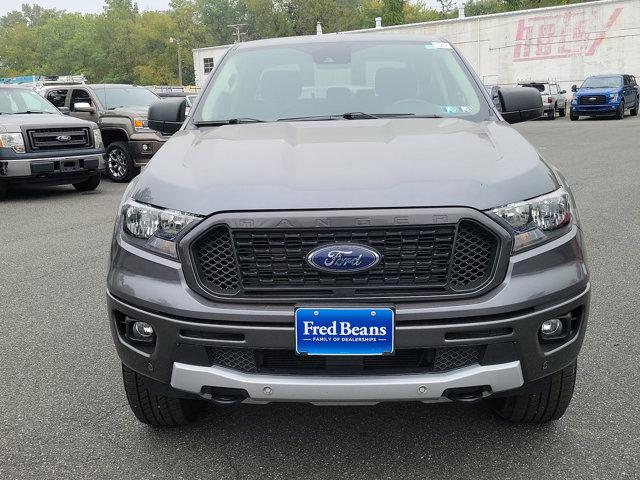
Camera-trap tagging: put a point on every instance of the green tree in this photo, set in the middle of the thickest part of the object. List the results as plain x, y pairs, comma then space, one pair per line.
393, 12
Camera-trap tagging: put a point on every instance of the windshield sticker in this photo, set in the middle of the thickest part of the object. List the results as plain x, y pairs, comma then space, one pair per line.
465, 109
429, 46
441, 45
450, 109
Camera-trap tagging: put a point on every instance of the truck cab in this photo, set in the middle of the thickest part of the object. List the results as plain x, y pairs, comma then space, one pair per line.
553, 97
606, 96
38, 144
121, 113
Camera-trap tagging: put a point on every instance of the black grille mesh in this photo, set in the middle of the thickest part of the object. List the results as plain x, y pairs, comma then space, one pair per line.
215, 261
455, 357
474, 257
431, 259
288, 362
597, 100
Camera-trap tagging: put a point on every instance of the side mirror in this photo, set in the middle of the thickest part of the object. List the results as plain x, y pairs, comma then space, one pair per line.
83, 107
520, 104
562, 92
167, 116
574, 88
64, 110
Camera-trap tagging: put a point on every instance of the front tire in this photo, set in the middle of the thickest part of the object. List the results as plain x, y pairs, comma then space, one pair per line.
4, 187
547, 400
620, 112
120, 167
634, 110
563, 111
89, 184
573, 116
151, 406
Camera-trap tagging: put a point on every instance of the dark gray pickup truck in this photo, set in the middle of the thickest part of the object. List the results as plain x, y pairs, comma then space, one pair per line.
38, 144
120, 111
348, 219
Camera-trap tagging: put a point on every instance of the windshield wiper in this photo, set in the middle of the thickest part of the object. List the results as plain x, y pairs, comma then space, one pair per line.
30, 111
355, 116
231, 121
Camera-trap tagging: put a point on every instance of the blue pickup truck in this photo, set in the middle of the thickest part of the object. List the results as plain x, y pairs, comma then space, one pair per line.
605, 95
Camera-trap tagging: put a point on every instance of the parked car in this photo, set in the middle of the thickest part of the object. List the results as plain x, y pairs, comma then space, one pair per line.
121, 113
605, 95
553, 97
393, 239
38, 144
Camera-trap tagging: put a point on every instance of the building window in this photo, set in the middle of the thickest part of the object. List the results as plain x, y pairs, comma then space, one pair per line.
208, 65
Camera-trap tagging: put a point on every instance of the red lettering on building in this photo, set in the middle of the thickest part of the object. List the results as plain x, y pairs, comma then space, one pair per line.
572, 34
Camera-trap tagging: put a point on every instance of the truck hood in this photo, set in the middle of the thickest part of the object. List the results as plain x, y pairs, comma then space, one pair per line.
13, 123
597, 91
344, 164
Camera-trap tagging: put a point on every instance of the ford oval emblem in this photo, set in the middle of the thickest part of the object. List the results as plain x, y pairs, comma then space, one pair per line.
63, 138
343, 258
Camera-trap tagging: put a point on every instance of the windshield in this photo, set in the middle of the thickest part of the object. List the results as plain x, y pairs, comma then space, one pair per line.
18, 100
539, 86
602, 82
111, 97
331, 79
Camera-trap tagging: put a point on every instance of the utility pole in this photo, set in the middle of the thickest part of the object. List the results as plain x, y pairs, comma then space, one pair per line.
177, 42
237, 27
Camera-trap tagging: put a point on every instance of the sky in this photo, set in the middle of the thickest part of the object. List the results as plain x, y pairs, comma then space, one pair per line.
95, 6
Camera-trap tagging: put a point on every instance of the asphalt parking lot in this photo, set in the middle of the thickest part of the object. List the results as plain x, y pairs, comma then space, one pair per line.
64, 413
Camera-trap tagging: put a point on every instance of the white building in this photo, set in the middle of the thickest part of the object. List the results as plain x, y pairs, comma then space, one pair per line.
566, 43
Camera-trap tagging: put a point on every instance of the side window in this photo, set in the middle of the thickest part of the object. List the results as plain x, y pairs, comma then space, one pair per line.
553, 89
57, 97
79, 96
633, 80
208, 65
625, 79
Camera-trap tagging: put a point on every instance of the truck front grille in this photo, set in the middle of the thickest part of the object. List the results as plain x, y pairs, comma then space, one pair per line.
287, 362
68, 138
415, 261
592, 100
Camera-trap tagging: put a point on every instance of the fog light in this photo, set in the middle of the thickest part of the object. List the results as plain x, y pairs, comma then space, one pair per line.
142, 330
551, 327
145, 147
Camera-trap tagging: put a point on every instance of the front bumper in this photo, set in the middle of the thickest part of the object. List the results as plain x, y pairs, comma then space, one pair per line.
51, 169
143, 146
429, 387
540, 284
596, 110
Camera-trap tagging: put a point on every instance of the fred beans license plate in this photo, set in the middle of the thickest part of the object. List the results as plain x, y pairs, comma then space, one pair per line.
344, 331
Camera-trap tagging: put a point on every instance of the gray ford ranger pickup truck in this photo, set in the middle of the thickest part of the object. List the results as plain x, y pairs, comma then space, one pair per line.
38, 144
347, 219
120, 111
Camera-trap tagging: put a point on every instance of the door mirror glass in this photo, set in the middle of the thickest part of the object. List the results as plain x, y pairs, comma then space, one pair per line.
520, 104
574, 88
64, 110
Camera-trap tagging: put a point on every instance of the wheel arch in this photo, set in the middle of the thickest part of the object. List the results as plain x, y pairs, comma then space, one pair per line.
111, 135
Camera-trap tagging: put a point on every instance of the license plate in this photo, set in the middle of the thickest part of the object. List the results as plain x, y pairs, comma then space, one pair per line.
344, 331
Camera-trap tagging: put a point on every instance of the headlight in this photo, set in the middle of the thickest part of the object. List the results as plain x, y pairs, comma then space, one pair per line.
613, 97
140, 125
537, 220
12, 140
152, 228
97, 138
